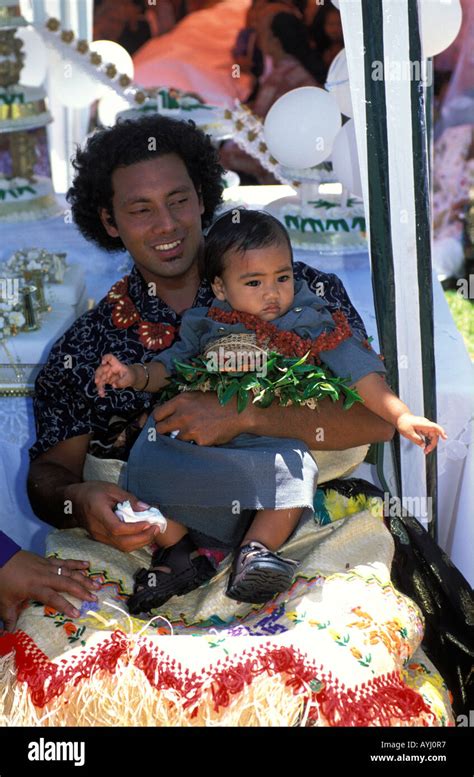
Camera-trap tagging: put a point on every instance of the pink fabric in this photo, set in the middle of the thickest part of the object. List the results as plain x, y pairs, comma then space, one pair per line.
196, 55
447, 59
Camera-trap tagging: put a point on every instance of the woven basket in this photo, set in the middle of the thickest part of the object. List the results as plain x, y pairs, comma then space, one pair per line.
241, 346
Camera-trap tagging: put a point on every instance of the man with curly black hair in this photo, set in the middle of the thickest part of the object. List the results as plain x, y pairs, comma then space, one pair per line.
150, 187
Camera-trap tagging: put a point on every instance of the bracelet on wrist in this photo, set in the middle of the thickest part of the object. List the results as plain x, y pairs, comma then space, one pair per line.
147, 376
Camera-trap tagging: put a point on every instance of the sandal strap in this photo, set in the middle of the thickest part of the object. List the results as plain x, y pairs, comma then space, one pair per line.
178, 557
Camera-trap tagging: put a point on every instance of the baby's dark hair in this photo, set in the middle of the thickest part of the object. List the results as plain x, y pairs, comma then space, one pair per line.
127, 143
240, 230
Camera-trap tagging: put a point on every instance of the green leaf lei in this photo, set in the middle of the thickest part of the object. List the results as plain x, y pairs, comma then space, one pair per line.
291, 381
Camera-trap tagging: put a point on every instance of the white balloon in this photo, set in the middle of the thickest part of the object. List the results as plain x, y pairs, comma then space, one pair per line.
69, 83
345, 161
440, 22
337, 83
301, 126
109, 106
35, 67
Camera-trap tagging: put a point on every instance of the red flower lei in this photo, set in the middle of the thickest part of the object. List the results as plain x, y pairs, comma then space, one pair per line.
155, 337
287, 343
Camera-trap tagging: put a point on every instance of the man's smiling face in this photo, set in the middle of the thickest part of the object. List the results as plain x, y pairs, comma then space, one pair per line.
157, 214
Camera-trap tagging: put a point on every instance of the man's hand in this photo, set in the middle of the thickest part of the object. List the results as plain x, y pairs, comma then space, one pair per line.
201, 418
92, 505
27, 576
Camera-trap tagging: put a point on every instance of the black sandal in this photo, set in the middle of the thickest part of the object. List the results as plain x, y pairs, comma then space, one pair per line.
187, 571
258, 574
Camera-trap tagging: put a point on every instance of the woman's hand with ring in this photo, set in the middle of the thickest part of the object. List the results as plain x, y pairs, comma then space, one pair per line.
27, 576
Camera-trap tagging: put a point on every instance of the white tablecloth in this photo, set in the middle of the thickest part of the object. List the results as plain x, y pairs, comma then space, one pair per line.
17, 433
455, 387
101, 269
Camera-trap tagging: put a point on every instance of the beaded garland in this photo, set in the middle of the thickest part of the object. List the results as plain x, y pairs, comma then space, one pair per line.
155, 337
287, 343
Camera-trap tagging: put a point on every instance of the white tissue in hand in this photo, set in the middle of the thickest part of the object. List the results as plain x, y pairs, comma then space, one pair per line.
125, 512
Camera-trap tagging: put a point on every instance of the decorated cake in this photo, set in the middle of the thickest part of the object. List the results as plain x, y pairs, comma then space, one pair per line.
10, 14
26, 189
182, 105
321, 173
23, 200
22, 107
324, 223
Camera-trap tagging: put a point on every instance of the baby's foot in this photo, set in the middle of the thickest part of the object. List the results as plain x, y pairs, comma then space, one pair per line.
258, 574
174, 571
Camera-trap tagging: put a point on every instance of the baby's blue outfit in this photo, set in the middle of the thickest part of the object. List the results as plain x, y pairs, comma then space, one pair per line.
216, 489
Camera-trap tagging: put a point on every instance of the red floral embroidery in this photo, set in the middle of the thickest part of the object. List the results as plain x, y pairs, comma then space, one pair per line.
118, 290
155, 337
124, 313
287, 343
69, 628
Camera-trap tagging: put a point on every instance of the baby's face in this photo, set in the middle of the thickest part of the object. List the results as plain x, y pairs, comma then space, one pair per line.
258, 281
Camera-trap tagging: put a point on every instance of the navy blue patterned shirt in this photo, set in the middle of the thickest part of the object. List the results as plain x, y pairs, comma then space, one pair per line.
66, 402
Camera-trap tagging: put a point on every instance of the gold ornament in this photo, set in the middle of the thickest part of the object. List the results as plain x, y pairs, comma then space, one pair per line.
111, 71
140, 97
53, 24
82, 46
95, 58
124, 80
23, 155
67, 36
11, 58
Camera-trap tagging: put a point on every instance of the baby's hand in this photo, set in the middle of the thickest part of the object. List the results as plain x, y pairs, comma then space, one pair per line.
113, 372
421, 431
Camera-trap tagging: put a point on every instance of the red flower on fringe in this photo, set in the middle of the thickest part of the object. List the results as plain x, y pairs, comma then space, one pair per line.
381, 701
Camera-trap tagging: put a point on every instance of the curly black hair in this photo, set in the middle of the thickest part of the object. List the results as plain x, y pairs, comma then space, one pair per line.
127, 143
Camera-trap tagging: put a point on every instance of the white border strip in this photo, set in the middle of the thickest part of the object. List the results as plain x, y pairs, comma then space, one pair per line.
397, 73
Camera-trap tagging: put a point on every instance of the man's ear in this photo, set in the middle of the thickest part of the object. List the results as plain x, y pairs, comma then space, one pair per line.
108, 222
218, 288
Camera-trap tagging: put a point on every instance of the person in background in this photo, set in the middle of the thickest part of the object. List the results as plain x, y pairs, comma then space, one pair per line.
326, 35
161, 17
136, 31
122, 21
25, 576
284, 39
109, 20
